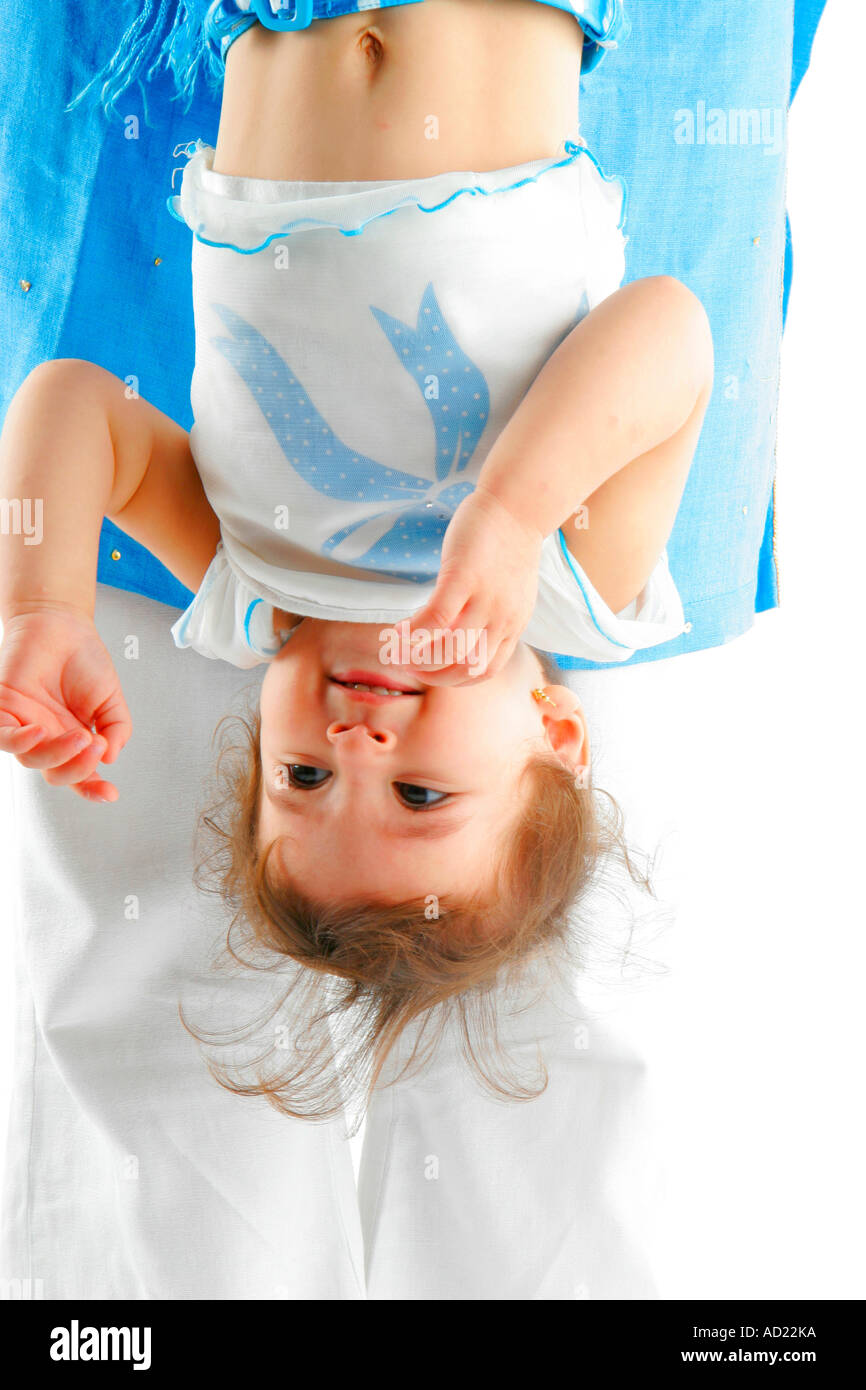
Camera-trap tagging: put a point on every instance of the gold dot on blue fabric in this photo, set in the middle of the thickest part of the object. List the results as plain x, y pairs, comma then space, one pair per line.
115, 554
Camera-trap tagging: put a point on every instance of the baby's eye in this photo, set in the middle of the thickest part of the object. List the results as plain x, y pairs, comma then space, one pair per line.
304, 776
419, 798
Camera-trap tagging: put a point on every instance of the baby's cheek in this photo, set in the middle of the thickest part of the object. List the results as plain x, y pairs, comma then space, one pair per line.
272, 689
288, 701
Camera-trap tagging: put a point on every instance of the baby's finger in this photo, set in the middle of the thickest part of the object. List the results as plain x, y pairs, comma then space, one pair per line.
54, 752
500, 649
474, 638
466, 647
459, 673
113, 722
95, 789
20, 738
456, 645
443, 610
76, 769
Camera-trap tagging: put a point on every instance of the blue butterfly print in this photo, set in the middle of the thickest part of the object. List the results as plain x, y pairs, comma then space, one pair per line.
403, 538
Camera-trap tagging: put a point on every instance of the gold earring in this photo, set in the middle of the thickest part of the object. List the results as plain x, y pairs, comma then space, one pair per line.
540, 695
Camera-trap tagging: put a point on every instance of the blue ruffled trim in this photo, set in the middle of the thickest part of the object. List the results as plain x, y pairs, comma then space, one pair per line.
573, 567
259, 651
573, 151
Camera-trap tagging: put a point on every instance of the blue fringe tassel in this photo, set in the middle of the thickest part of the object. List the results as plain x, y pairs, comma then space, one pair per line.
165, 34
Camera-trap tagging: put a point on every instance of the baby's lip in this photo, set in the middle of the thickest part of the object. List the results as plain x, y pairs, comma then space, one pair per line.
369, 697
378, 683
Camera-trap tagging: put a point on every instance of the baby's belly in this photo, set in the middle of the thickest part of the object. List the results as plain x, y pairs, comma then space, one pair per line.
405, 92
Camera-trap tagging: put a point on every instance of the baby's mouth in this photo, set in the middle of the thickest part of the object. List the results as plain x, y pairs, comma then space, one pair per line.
367, 683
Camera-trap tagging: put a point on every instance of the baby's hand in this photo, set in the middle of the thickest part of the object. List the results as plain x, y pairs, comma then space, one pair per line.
485, 594
61, 706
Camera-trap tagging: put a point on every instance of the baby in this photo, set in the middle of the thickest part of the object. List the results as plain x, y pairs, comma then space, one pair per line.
434, 443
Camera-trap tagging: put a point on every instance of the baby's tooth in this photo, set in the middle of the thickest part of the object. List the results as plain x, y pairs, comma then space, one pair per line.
373, 689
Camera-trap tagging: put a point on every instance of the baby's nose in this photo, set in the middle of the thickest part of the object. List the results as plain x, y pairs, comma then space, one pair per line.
359, 738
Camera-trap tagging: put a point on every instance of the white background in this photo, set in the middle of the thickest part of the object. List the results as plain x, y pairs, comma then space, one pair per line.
754, 1039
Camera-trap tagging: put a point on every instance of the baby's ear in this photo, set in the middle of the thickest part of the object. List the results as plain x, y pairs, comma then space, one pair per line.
565, 727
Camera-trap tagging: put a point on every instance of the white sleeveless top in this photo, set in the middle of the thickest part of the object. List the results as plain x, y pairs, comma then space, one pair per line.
359, 347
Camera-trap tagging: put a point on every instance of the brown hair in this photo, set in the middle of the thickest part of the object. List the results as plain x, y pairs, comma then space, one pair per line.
364, 971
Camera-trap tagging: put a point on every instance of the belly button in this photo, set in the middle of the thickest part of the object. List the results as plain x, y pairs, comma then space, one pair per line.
372, 47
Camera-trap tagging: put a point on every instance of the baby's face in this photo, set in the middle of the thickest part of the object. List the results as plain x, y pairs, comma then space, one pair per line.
397, 796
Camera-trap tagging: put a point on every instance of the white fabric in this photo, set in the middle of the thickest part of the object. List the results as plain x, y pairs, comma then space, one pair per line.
465, 1196
130, 1172
359, 348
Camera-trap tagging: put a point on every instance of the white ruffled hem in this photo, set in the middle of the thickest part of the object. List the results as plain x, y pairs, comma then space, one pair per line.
572, 619
247, 214
228, 621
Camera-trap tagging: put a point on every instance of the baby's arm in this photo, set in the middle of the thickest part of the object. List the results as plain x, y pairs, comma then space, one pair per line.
609, 426
78, 441
75, 447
